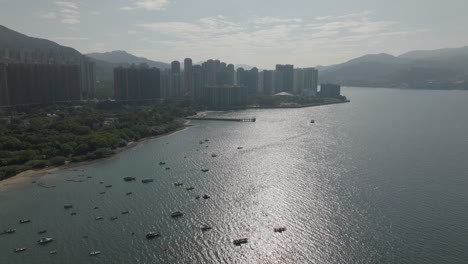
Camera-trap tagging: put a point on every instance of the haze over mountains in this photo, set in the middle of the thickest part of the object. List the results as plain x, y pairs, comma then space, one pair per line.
432, 69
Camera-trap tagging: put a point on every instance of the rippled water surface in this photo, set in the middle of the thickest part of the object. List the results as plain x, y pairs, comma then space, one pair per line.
383, 179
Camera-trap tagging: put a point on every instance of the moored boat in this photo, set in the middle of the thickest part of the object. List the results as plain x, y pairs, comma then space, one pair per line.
24, 221
94, 253
147, 180
162, 163
177, 214
9, 231
98, 218
205, 170
113, 218
42, 231
241, 241
189, 188
129, 179
45, 240
206, 196
129, 193
53, 252
20, 249
214, 155
178, 184
151, 235
108, 186
67, 206
124, 212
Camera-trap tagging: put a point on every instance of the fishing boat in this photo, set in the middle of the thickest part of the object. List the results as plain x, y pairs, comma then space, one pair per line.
102, 192
42, 231
168, 168
147, 180
239, 147
108, 186
178, 184
53, 252
204, 227
45, 240
98, 218
206, 196
67, 206
162, 163
152, 235
177, 214
124, 212
94, 253
214, 155
129, 193
205, 170
20, 249
129, 179
24, 221
113, 218
279, 229
312, 121
9, 231
189, 188
241, 241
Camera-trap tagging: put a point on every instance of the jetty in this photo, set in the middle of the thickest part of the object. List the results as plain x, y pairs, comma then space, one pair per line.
253, 119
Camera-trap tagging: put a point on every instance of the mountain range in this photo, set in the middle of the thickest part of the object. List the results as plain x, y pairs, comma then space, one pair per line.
428, 69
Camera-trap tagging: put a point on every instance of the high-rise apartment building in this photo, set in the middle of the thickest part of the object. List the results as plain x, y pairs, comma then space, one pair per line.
188, 77
137, 84
287, 72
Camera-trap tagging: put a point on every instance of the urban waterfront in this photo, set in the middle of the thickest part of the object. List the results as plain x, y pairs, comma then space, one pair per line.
379, 180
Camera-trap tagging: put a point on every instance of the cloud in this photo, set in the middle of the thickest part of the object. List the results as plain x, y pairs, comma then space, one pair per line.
70, 21
94, 13
274, 20
149, 5
49, 15
66, 4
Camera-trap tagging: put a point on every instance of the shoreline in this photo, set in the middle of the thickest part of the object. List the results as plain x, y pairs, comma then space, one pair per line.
35, 175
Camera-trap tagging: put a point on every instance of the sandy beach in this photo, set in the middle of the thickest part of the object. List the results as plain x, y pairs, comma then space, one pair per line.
36, 175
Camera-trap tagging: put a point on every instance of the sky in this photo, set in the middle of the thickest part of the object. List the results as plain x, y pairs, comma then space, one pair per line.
259, 33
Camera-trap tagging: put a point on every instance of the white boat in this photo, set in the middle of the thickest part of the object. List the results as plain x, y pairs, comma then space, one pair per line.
94, 253
45, 240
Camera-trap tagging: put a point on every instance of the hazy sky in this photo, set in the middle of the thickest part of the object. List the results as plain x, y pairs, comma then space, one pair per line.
255, 32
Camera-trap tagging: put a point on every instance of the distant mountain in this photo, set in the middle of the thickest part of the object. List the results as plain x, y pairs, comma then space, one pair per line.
121, 57
435, 54
10, 39
437, 69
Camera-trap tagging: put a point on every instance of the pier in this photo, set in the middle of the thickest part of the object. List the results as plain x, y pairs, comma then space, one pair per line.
223, 119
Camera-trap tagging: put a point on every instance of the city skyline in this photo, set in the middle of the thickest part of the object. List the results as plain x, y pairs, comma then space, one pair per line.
260, 34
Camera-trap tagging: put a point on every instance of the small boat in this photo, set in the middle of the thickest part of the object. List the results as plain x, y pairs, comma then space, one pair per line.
201, 142
197, 197
94, 253
168, 168
99, 218
68, 206
108, 186
113, 218
45, 240
205, 170
42, 231
9, 231
214, 155
279, 229
102, 192
204, 227
53, 252
96, 208
312, 121
33, 182
177, 214
129, 193
206, 196
100, 182
89, 177
239, 147
124, 212
24, 221
147, 180
162, 163
178, 184
241, 241
189, 188
206, 140
129, 179
152, 235
20, 249
73, 213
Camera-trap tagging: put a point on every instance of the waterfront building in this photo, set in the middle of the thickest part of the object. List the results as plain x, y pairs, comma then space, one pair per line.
175, 79
268, 85
231, 73
32, 83
287, 72
330, 90
188, 77
310, 82
224, 96
137, 84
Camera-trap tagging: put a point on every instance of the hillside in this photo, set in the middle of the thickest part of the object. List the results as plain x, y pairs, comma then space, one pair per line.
120, 57
10, 39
